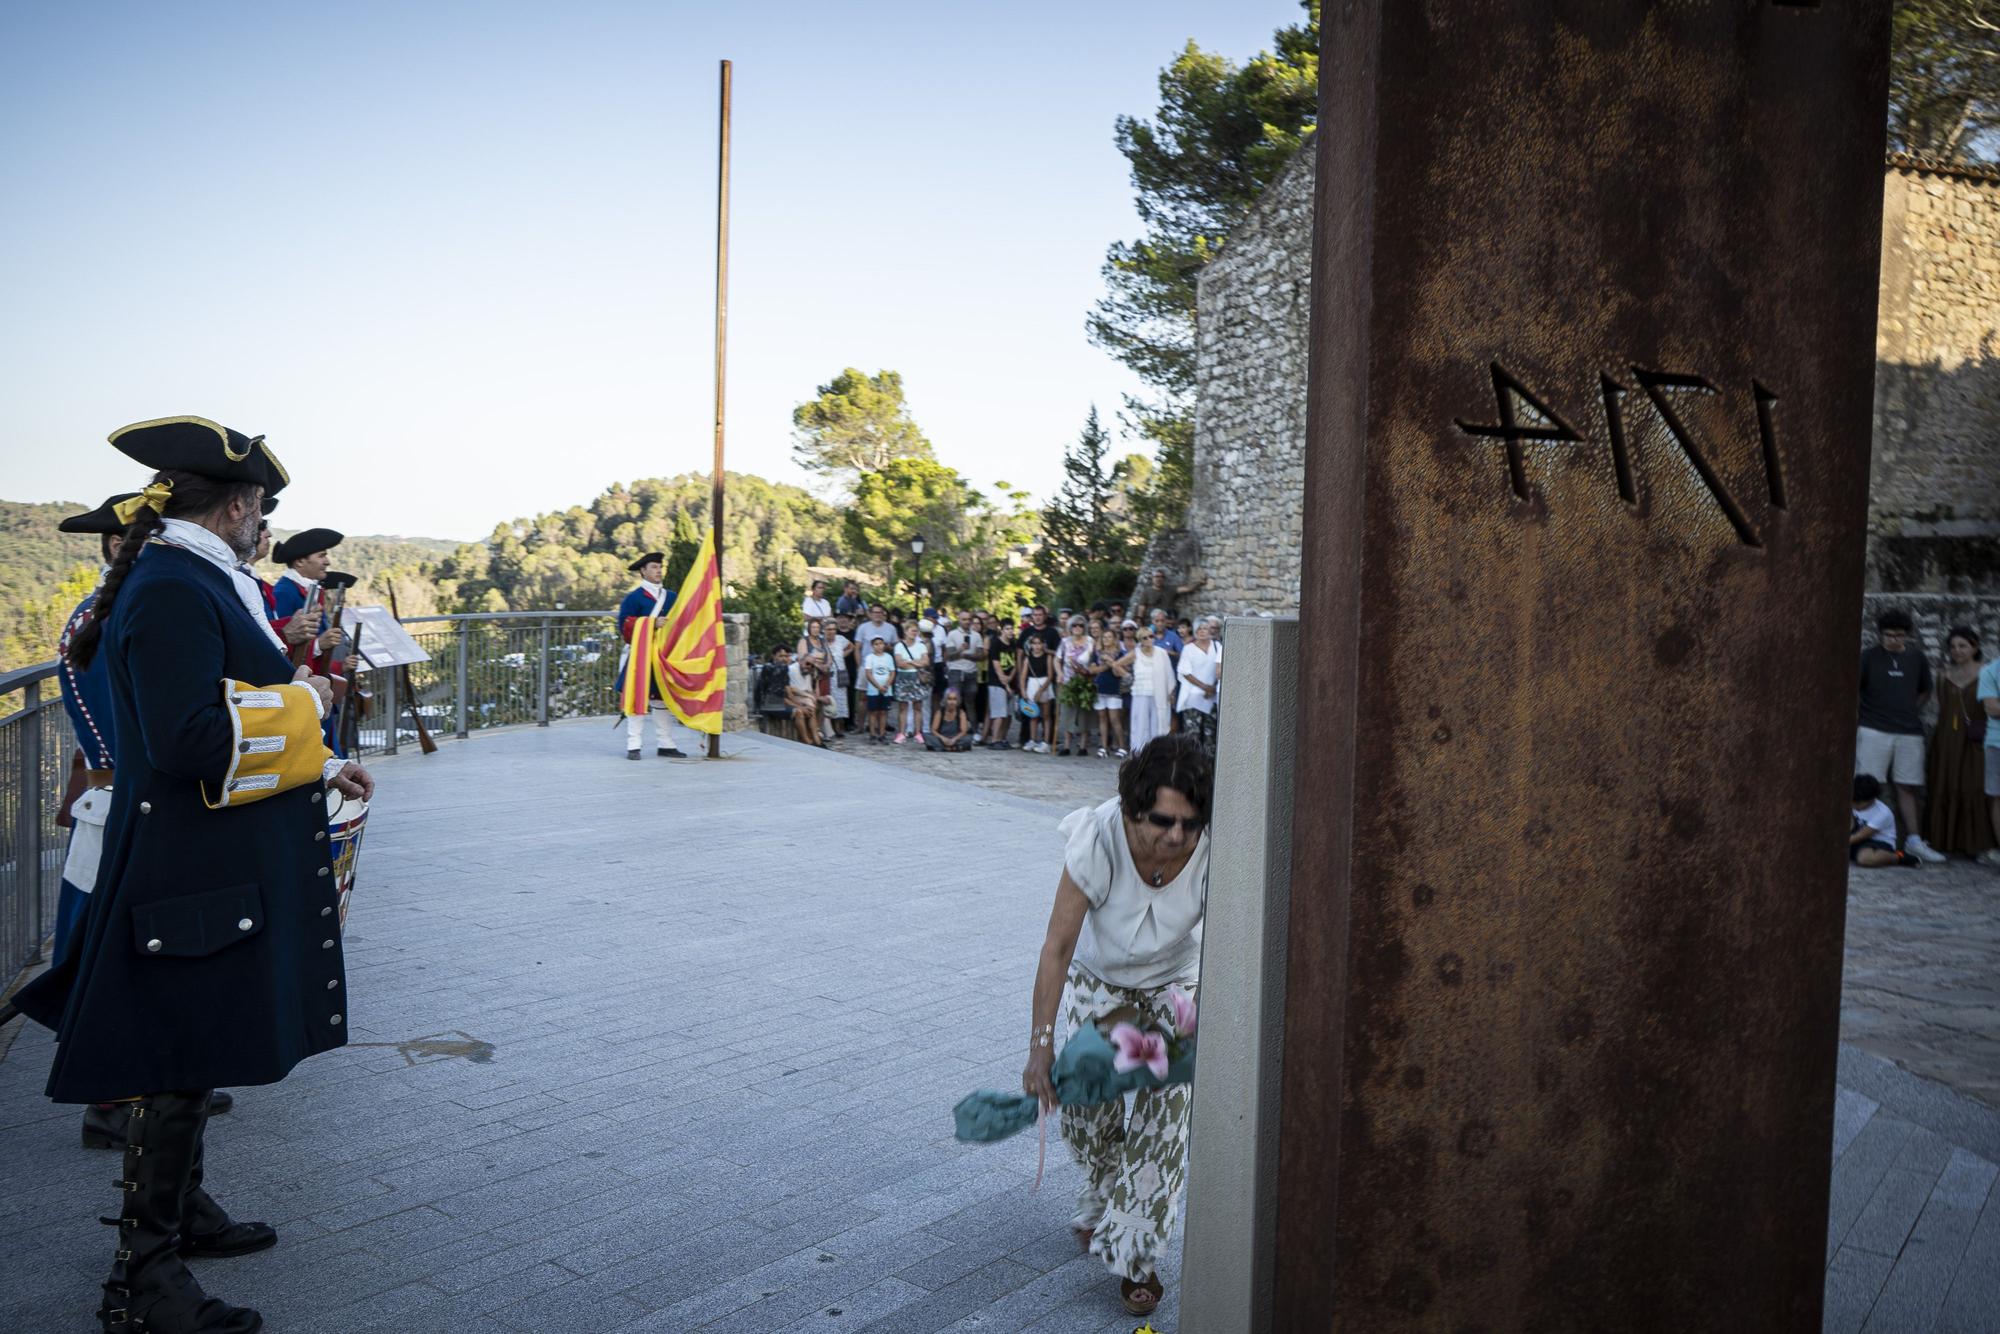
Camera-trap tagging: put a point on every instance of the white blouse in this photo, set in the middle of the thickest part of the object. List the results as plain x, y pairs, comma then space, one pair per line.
1152, 676
1199, 664
1135, 935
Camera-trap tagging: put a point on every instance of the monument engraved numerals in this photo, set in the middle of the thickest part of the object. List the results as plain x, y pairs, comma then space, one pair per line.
1509, 393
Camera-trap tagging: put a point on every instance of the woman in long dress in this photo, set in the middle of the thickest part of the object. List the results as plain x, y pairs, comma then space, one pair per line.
1136, 869
1956, 819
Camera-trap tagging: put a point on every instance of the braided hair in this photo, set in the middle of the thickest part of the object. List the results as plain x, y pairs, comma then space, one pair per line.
194, 497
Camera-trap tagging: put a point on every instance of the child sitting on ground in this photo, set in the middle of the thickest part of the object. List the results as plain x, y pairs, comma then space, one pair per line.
951, 729
1871, 838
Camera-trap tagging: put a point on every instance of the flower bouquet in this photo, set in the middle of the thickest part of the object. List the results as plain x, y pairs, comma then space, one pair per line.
1102, 1062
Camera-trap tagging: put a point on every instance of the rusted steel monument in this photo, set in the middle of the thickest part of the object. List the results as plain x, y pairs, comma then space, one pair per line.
1593, 320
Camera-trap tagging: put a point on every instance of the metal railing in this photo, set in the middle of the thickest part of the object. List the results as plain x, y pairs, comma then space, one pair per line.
35, 749
492, 669
496, 669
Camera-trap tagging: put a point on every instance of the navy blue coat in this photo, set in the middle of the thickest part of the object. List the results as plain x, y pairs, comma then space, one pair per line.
222, 1003
86, 694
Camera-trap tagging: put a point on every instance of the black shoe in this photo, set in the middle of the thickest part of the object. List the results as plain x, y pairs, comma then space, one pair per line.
1062, 750
633, 754
104, 1125
220, 1103
150, 1290
673, 753
206, 1227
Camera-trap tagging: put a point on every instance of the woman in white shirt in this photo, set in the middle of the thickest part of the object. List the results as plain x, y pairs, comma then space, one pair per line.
1152, 690
1200, 675
1136, 872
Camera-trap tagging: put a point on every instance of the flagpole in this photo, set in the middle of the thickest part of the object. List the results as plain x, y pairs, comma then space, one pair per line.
721, 330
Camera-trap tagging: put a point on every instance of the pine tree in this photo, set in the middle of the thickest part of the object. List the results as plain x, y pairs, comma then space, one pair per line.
1086, 548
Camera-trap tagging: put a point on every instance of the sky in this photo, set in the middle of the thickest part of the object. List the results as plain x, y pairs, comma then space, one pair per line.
456, 261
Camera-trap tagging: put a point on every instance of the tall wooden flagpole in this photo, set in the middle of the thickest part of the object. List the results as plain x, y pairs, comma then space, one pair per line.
721, 330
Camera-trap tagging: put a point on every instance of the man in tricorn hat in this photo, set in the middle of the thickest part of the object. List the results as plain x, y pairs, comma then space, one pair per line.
650, 598
298, 606
298, 589
86, 696
211, 953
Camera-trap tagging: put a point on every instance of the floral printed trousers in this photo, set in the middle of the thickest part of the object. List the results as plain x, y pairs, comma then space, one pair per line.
1135, 1167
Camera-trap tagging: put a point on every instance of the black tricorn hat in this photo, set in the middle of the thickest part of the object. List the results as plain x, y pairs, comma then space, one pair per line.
270, 503
646, 560
339, 579
304, 544
202, 447
99, 520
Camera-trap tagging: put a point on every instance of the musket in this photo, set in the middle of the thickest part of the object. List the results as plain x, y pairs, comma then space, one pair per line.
410, 691
339, 582
315, 603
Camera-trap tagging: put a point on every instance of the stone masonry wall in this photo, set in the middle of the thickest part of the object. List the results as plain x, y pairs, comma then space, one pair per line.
1250, 419
1934, 488
1934, 507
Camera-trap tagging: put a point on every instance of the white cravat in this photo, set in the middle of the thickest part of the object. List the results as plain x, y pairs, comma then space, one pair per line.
657, 590
199, 540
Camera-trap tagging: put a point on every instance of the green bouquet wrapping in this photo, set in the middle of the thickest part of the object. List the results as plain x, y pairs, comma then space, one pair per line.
1098, 1064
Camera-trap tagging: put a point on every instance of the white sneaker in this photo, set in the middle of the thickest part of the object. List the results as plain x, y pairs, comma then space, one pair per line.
1922, 851
1990, 857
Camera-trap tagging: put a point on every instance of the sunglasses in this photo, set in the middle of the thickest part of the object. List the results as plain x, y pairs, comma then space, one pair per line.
1191, 823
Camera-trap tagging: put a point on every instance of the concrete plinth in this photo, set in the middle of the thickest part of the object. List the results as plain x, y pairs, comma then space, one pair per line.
1593, 338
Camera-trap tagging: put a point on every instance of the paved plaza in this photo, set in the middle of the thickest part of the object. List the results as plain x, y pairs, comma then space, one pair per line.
673, 1046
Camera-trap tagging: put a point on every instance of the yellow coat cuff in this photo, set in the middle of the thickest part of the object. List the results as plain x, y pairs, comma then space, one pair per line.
277, 742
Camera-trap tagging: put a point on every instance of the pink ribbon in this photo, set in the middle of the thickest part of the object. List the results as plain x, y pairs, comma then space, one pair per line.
1042, 1144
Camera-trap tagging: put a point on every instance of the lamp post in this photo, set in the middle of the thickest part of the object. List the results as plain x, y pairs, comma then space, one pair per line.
917, 550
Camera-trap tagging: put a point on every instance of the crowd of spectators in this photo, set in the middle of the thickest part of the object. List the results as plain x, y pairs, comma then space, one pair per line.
1067, 683
1930, 742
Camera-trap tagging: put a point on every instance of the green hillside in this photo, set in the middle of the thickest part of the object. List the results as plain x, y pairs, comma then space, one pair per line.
44, 572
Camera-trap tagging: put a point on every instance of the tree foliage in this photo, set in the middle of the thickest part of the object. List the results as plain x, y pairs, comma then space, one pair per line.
1088, 542
1944, 78
967, 539
856, 424
1222, 132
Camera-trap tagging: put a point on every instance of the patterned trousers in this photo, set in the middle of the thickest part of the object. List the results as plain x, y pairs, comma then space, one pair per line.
1135, 1167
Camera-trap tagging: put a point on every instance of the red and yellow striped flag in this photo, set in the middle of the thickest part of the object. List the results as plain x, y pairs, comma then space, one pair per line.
682, 653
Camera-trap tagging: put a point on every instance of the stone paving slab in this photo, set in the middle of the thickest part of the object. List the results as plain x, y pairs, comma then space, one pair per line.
646, 1047
1923, 972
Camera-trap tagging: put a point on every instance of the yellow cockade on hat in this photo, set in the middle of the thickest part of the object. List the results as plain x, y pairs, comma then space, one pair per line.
154, 498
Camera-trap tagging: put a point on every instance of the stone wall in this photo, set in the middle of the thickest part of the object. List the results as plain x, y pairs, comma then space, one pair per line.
1934, 509
1934, 490
1240, 552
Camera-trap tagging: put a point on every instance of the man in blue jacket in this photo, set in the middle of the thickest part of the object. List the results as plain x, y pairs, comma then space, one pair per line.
86, 696
211, 951
650, 598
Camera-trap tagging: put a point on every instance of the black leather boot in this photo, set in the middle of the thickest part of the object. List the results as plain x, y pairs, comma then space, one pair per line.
104, 1125
219, 1103
150, 1290
206, 1227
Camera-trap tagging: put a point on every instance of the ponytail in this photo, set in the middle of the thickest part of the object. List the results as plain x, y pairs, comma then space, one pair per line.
193, 497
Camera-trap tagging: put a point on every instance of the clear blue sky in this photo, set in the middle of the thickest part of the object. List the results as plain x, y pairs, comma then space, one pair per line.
456, 260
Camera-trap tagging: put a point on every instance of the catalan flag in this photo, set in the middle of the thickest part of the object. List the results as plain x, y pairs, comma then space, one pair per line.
682, 653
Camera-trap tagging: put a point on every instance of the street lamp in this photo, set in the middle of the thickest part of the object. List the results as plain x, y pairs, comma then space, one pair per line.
917, 550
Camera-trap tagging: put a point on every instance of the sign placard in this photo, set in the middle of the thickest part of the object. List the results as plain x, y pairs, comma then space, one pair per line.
380, 638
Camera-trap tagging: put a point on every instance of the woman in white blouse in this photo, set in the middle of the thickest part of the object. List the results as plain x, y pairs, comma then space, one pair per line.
1152, 690
1200, 674
1136, 872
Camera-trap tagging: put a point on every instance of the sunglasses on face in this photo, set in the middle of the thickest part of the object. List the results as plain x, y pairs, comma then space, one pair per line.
1191, 823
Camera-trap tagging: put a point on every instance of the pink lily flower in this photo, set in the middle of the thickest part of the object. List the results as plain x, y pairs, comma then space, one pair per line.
1137, 1048
1182, 1005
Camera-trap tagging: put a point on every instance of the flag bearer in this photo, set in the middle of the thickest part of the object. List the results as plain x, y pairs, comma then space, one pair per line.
210, 954
651, 598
